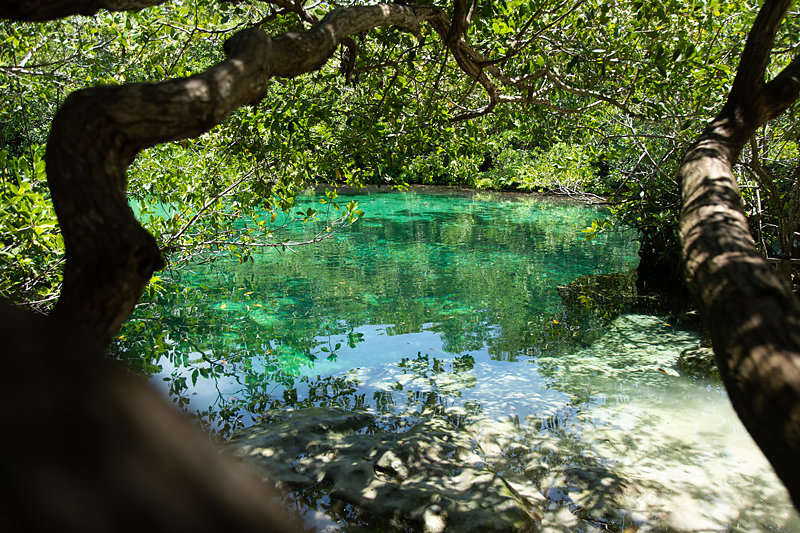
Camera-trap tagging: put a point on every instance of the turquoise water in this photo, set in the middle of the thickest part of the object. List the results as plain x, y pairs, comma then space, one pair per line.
438, 274
436, 301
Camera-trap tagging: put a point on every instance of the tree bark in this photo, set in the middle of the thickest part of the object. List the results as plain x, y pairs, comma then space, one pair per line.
41, 10
103, 451
98, 132
752, 315
93, 449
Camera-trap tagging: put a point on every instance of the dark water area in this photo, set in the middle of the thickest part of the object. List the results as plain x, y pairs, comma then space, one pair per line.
440, 301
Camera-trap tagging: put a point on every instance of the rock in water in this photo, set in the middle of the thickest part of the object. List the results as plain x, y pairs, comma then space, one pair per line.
424, 477
698, 362
604, 295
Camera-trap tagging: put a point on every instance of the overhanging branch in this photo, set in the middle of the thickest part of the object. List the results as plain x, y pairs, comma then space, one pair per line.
41, 10
98, 132
752, 315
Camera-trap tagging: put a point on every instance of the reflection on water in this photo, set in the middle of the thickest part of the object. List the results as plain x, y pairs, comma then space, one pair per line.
671, 449
448, 304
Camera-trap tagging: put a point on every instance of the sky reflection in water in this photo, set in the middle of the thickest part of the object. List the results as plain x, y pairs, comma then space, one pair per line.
451, 300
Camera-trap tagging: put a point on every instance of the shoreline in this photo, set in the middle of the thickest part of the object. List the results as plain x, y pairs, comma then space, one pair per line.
583, 198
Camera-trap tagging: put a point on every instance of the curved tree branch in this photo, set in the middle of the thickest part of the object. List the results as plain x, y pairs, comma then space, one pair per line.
98, 132
755, 56
752, 315
41, 10
459, 24
490, 76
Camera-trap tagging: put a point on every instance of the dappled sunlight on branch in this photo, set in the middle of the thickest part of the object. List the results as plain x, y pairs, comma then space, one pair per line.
752, 315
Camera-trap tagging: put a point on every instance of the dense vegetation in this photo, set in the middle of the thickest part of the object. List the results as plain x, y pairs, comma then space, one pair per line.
619, 104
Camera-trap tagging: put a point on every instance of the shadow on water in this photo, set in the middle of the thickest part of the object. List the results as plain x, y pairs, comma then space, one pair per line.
641, 449
443, 313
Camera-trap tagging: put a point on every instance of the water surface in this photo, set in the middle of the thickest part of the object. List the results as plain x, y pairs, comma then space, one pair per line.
450, 301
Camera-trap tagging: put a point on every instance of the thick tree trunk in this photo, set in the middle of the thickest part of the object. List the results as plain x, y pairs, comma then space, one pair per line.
39, 10
752, 315
91, 449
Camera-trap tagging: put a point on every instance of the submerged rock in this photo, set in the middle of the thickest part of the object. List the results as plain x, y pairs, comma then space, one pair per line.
698, 361
604, 295
595, 494
425, 477
583, 441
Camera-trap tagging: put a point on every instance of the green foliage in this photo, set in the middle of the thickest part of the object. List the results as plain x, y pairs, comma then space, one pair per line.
666, 66
32, 247
768, 175
600, 225
561, 168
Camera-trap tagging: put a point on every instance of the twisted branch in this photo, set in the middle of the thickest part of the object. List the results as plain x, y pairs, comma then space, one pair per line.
98, 132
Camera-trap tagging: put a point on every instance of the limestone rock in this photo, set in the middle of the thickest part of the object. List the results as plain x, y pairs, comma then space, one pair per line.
426, 478
605, 295
595, 494
698, 361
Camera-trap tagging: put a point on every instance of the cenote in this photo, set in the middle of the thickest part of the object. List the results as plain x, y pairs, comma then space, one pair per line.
447, 305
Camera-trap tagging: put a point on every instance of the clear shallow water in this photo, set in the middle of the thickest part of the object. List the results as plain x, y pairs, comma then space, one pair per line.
450, 301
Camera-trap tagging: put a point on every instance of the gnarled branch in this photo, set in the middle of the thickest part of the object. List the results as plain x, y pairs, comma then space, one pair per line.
98, 132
